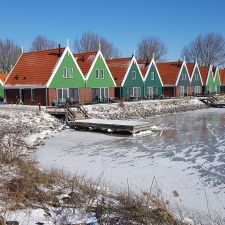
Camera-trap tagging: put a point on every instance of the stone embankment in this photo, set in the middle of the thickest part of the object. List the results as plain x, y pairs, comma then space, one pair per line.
143, 109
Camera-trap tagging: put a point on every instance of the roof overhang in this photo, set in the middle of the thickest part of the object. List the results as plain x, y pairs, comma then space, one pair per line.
23, 86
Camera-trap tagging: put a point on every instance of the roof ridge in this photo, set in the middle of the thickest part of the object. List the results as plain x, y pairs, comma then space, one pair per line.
62, 48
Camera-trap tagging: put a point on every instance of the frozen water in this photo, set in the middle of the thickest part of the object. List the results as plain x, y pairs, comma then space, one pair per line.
188, 156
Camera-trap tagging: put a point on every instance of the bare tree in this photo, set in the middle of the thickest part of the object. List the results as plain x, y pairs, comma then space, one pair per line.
9, 53
150, 46
207, 49
42, 43
90, 41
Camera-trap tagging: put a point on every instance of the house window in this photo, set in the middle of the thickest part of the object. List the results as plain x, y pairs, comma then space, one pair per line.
71, 73
196, 76
133, 75
152, 76
102, 74
33, 94
134, 92
181, 91
74, 95
97, 74
64, 72
197, 89
183, 76
100, 94
62, 94
152, 92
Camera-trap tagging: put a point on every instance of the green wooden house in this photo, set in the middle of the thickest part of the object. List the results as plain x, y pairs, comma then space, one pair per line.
196, 79
67, 78
152, 81
2, 79
216, 80
99, 82
183, 82
128, 78
207, 78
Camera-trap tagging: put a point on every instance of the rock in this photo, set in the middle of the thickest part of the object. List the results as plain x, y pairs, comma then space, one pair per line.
12, 223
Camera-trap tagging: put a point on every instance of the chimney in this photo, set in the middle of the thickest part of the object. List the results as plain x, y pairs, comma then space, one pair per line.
59, 53
213, 69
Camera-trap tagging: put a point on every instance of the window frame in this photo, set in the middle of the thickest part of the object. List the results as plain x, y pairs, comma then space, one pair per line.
71, 75
97, 74
102, 74
65, 72
32, 93
152, 75
133, 75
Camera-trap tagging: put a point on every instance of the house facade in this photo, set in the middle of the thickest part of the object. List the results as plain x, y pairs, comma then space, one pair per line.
216, 81
175, 79
128, 78
66, 80
207, 78
195, 77
99, 83
2, 79
152, 81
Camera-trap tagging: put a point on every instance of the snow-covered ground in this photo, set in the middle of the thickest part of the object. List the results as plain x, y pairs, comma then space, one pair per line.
31, 126
187, 157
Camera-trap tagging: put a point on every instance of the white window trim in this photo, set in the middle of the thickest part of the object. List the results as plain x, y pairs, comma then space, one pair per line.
71, 75
152, 77
65, 75
133, 73
102, 74
196, 76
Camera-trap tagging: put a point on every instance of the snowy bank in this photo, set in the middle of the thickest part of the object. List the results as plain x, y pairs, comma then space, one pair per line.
27, 124
143, 109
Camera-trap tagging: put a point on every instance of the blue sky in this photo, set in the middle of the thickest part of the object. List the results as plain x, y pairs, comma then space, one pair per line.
123, 22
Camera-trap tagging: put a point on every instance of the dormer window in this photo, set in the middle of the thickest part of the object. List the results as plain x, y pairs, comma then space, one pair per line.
183, 75
133, 74
64, 72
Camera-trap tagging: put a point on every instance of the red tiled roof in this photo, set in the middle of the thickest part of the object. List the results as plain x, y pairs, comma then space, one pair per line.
118, 68
204, 73
190, 67
34, 68
85, 60
2, 77
169, 72
222, 76
143, 65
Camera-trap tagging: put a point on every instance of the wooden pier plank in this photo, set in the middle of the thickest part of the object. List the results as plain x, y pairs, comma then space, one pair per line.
115, 125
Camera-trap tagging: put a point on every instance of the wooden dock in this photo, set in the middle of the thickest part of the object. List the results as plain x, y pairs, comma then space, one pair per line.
77, 117
127, 126
212, 101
